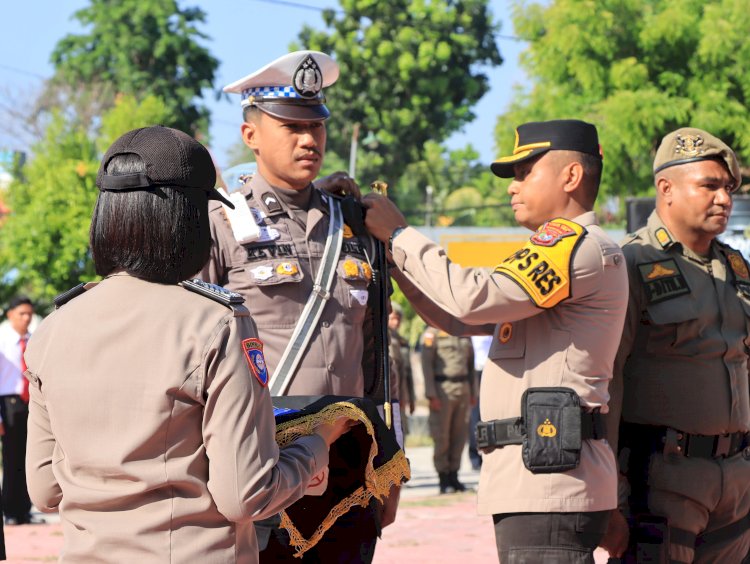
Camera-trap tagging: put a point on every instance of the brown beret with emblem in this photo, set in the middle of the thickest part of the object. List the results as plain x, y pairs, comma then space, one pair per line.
689, 144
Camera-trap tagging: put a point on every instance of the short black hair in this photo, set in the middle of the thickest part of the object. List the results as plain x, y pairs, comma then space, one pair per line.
592, 168
19, 300
159, 234
251, 113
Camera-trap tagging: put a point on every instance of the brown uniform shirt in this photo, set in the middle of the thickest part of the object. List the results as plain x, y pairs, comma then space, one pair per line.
148, 431
683, 359
572, 344
276, 275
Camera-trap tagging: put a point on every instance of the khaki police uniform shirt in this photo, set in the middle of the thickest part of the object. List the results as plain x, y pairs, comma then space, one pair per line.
450, 357
148, 431
275, 274
683, 359
572, 344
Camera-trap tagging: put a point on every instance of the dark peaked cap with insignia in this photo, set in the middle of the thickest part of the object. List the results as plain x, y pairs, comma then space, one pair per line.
172, 158
291, 87
537, 137
688, 144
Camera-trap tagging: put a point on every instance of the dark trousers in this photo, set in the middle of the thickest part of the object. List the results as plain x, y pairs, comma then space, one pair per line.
552, 538
15, 413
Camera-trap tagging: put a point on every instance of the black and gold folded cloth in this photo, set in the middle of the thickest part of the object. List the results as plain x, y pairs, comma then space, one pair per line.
363, 464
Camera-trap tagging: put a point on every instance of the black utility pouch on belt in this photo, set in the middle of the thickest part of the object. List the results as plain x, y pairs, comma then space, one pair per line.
553, 429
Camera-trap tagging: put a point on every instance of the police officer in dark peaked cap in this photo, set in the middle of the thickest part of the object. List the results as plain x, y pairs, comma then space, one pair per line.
555, 309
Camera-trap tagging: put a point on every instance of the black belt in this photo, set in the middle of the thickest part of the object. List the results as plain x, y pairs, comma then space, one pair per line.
692, 445
451, 378
501, 432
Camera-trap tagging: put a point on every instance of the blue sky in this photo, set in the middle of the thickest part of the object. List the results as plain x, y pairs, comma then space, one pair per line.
244, 35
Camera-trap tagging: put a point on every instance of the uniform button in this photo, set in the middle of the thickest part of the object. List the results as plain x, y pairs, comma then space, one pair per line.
330, 368
326, 323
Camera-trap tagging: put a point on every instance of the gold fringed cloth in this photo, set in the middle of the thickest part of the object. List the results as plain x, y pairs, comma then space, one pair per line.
363, 464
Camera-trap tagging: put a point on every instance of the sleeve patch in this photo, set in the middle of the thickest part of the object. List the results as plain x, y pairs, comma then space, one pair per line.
542, 267
253, 349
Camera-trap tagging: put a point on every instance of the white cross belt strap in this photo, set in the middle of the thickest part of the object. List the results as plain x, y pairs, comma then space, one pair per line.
282, 376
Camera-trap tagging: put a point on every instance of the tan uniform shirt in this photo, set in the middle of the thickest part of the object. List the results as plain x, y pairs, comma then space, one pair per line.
572, 344
447, 356
276, 275
683, 359
148, 431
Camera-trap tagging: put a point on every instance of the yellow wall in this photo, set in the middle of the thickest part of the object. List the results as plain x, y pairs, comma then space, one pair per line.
481, 250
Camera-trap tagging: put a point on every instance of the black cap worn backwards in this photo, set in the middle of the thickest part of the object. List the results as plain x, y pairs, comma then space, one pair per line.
172, 158
537, 137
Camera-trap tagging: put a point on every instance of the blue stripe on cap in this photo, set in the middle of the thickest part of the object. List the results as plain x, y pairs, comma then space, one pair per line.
271, 92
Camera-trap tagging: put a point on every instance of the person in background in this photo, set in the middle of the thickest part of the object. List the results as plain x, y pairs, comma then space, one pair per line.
14, 411
448, 368
400, 353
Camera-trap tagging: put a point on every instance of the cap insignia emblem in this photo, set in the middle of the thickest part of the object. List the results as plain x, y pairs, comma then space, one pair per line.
689, 145
307, 79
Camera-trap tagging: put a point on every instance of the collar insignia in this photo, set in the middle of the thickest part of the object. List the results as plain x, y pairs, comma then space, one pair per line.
663, 237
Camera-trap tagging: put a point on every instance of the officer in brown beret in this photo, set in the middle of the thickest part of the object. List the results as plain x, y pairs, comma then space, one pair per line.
681, 375
555, 309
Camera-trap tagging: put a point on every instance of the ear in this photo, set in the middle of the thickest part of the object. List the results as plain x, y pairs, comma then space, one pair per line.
249, 131
572, 176
665, 189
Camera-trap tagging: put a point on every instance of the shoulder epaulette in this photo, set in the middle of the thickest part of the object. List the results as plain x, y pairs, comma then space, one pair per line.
213, 291
74, 292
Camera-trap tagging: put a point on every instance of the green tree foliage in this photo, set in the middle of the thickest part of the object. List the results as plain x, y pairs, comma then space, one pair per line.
141, 47
637, 69
44, 248
464, 191
409, 74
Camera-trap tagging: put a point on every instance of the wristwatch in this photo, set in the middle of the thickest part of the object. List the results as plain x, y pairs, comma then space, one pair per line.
395, 234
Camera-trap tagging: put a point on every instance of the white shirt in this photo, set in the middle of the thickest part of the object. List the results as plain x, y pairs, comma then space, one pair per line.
11, 378
481, 344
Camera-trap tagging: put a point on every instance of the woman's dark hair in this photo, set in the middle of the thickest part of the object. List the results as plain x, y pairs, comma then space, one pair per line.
159, 234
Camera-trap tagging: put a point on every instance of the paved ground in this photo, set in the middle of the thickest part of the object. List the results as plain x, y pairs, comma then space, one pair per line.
430, 527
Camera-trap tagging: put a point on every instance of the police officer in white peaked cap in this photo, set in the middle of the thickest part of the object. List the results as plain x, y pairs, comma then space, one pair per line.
308, 298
